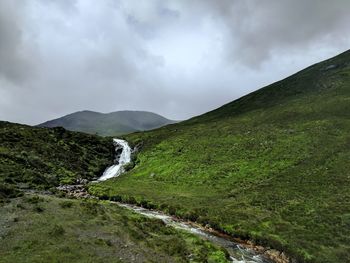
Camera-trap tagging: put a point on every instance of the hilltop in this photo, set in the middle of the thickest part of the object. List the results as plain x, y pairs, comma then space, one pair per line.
109, 124
272, 167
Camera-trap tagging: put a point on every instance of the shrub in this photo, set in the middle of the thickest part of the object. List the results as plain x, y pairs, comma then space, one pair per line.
217, 257
39, 209
66, 204
92, 207
8, 191
34, 199
57, 230
129, 166
116, 198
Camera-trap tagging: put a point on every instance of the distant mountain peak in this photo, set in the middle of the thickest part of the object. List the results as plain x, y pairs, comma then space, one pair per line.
109, 124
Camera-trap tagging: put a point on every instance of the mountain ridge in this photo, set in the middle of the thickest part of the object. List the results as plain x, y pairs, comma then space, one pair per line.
109, 124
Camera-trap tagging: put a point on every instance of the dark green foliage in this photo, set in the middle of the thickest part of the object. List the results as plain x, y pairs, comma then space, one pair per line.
57, 230
33, 199
8, 191
92, 207
272, 166
38, 209
109, 124
42, 158
66, 204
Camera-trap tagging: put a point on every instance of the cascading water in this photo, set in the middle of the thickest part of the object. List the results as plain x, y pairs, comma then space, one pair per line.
238, 253
124, 158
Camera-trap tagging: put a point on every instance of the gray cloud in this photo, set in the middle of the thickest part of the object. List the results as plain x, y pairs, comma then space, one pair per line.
178, 58
255, 29
15, 60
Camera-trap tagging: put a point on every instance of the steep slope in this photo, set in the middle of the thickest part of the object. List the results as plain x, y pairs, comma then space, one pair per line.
114, 123
272, 167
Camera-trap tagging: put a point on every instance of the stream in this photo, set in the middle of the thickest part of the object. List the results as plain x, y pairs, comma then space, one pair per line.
238, 253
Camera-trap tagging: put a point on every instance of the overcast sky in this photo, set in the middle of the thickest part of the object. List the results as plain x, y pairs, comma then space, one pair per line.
178, 58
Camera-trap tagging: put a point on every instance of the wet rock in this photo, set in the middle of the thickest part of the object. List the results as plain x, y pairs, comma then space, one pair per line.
277, 256
76, 190
82, 181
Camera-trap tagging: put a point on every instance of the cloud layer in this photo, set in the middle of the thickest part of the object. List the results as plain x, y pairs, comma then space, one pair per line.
177, 58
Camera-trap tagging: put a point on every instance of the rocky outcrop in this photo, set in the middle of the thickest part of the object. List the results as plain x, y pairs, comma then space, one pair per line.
75, 190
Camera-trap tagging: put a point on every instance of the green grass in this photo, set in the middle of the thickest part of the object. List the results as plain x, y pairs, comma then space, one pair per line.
50, 229
272, 167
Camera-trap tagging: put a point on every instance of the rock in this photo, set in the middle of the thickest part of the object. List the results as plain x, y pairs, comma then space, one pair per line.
77, 191
276, 256
82, 181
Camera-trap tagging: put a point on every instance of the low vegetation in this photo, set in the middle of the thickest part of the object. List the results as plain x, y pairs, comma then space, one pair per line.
45, 228
38, 158
272, 167
49, 229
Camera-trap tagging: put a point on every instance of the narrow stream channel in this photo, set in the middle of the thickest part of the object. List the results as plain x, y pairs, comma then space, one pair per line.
238, 253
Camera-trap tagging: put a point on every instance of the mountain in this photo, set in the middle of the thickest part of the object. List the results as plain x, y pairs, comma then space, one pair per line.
39, 224
271, 167
109, 124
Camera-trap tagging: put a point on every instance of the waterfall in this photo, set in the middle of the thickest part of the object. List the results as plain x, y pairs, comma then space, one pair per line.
124, 158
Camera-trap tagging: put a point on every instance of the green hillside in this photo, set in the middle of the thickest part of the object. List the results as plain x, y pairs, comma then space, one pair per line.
51, 228
109, 124
272, 167
42, 158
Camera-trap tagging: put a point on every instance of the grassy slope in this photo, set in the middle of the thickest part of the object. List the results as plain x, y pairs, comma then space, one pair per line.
272, 166
49, 229
108, 124
42, 158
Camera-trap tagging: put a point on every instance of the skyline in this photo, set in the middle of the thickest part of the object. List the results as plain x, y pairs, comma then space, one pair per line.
174, 58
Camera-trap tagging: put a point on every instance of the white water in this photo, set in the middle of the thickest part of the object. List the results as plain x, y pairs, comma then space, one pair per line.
238, 254
125, 157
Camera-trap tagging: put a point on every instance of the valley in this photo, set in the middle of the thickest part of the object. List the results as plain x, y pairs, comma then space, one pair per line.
270, 168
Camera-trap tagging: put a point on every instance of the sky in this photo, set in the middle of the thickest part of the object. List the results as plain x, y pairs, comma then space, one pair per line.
178, 58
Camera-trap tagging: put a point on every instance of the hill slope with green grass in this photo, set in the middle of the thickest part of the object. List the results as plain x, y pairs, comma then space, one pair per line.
272, 167
109, 124
52, 228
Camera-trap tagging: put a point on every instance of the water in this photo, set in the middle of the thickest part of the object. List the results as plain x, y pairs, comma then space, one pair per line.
125, 157
238, 253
